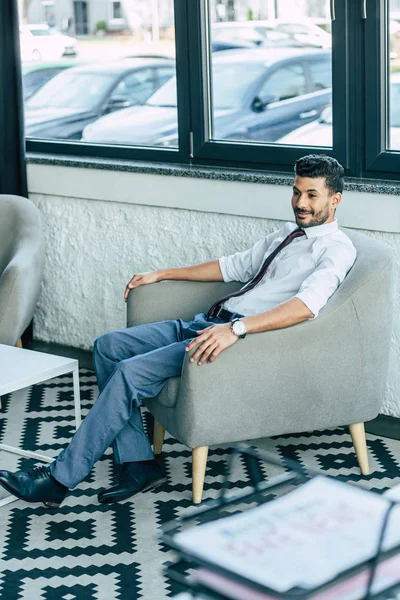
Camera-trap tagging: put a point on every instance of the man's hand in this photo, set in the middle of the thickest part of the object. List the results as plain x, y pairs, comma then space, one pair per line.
141, 279
211, 342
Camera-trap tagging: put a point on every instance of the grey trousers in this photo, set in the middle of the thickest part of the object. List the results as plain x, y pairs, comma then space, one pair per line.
131, 365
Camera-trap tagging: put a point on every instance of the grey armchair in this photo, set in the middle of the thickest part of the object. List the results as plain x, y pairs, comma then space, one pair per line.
326, 372
21, 265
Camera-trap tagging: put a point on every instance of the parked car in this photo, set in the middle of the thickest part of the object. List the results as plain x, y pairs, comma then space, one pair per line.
219, 46
35, 75
40, 42
80, 95
303, 31
319, 132
272, 32
316, 133
258, 95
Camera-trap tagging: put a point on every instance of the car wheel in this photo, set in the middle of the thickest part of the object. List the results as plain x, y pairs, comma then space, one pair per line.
36, 56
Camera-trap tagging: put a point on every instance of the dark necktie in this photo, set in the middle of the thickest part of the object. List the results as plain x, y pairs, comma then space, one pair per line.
253, 282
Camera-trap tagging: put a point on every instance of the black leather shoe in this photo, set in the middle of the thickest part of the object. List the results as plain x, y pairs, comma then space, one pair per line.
37, 485
136, 477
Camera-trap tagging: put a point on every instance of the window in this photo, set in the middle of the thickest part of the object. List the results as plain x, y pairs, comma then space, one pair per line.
100, 94
382, 84
117, 10
255, 84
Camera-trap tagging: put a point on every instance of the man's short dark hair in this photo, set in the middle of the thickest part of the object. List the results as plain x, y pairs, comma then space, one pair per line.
320, 165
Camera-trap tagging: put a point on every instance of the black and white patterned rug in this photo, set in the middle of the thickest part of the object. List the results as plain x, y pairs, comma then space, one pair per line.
88, 551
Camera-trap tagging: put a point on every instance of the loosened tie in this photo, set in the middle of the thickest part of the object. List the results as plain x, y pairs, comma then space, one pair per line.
253, 282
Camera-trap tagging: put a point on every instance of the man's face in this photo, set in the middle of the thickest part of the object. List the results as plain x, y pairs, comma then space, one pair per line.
312, 202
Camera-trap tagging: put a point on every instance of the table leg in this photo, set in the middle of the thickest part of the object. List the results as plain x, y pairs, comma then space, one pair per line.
77, 397
26, 453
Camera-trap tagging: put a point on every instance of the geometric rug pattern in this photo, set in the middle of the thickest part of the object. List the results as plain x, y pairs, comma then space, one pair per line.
88, 551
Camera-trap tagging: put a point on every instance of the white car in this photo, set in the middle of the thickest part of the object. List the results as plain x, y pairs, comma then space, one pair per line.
319, 133
40, 42
273, 31
303, 31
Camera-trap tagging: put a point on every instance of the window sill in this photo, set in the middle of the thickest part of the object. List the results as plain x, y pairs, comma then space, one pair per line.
223, 174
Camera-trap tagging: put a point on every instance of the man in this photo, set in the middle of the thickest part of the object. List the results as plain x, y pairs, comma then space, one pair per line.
289, 276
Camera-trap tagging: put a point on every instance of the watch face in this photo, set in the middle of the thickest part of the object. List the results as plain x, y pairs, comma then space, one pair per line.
239, 328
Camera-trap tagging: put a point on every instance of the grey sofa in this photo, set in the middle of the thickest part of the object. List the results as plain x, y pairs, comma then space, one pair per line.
21, 265
326, 372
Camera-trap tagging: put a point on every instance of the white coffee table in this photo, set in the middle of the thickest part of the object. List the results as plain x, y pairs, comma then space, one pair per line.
20, 368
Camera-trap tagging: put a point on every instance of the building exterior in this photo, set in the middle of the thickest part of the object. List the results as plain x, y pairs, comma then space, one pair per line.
79, 17
82, 17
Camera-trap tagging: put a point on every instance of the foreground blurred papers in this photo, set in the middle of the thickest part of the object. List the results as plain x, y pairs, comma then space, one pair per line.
303, 539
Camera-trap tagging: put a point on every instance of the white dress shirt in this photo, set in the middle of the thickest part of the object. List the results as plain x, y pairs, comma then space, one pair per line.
310, 268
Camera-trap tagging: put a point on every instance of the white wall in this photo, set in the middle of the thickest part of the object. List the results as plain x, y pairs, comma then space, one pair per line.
101, 227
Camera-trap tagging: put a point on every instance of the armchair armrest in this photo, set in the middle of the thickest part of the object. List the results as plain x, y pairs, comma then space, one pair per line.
174, 300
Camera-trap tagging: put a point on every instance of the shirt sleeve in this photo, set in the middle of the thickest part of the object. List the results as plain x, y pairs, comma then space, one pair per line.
243, 266
329, 273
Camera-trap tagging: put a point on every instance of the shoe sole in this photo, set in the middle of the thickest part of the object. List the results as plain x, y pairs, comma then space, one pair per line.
13, 493
151, 486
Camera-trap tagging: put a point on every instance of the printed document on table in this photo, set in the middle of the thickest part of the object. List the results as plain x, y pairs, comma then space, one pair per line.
304, 538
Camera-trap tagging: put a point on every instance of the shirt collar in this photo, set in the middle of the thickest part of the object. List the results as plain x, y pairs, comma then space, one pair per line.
319, 230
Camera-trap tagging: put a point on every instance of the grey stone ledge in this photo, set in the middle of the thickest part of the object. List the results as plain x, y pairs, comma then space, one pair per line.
221, 173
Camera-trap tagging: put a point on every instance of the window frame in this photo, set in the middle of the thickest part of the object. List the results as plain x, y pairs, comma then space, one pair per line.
261, 155
142, 153
378, 159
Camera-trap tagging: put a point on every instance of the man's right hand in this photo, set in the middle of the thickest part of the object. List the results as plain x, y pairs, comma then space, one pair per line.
142, 279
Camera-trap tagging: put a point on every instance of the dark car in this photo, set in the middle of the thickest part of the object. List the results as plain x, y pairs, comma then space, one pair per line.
35, 75
80, 95
258, 95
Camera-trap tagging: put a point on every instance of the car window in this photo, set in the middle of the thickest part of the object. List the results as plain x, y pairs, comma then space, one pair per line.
229, 34
230, 84
136, 87
34, 80
165, 73
78, 90
320, 75
286, 82
293, 28
248, 34
222, 34
40, 32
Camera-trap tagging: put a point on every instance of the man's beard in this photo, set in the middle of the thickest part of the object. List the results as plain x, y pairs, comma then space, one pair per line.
318, 218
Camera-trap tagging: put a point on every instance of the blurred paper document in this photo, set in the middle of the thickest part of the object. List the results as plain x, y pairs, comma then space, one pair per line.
303, 539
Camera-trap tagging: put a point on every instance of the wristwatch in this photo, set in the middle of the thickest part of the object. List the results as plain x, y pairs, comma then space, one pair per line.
239, 328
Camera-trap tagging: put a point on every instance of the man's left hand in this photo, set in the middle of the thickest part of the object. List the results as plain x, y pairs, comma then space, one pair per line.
211, 342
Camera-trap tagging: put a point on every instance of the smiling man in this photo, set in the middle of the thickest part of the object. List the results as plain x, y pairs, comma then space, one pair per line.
289, 276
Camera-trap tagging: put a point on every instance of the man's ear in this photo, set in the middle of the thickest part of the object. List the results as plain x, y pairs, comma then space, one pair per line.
336, 198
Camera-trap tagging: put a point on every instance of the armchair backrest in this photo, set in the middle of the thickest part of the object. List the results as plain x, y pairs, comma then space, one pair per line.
20, 227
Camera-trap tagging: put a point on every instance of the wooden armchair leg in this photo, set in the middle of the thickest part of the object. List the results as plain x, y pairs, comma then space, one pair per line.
199, 464
158, 437
357, 432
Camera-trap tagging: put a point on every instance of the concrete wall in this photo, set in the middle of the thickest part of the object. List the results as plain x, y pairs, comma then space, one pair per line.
101, 227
